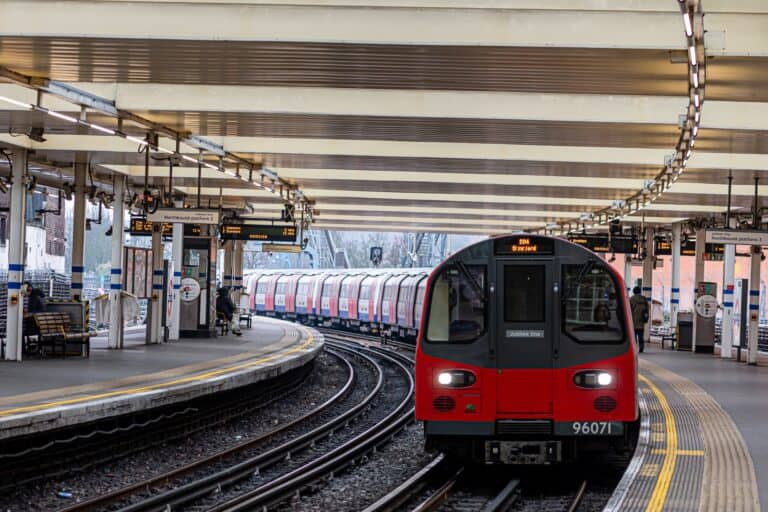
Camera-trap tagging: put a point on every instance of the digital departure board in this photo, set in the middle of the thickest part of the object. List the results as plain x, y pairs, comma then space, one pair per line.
258, 233
524, 245
687, 248
142, 227
620, 244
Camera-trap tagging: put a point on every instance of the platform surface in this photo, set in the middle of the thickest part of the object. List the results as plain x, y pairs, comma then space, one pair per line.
40, 394
703, 445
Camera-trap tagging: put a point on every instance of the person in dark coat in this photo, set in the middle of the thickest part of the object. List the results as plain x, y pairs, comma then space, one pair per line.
226, 308
640, 314
36, 299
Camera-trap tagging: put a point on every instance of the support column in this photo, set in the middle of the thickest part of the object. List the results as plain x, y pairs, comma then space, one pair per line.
675, 295
754, 305
16, 252
156, 309
628, 273
78, 229
116, 273
177, 253
698, 276
648, 280
726, 330
226, 276
237, 277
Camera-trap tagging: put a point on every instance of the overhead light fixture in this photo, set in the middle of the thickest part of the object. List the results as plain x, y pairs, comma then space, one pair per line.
62, 116
695, 77
687, 25
102, 129
696, 117
692, 55
12, 101
696, 100
137, 140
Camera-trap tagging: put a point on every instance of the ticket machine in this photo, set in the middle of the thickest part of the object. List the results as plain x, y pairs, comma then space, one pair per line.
705, 311
198, 283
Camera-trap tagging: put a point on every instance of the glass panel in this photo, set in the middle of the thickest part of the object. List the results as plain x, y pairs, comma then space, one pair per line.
524, 293
591, 310
458, 305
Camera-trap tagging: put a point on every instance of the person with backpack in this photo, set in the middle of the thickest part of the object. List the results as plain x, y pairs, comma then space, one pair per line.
640, 315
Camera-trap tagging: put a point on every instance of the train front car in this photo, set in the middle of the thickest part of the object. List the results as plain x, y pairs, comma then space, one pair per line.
525, 354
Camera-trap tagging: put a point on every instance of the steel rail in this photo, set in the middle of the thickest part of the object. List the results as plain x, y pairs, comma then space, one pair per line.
184, 494
578, 498
292, 482
169, 476
407, 490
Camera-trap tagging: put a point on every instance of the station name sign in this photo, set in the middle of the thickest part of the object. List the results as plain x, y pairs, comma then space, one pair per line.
620, 244
258, 233
280, 248
737, 237
184, 216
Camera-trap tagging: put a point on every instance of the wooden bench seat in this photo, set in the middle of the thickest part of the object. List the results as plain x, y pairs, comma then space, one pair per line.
55, 329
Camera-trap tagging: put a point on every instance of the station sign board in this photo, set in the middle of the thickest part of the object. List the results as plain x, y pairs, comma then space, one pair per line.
620, 244
737, 237
280, 248
258, 233
185, 216
688, 248
142, 227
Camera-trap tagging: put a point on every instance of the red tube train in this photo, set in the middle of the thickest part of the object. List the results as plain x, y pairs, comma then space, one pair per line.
524, 355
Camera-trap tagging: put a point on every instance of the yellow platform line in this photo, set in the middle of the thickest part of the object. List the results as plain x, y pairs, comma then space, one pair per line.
159, 385
691, 453
661, 488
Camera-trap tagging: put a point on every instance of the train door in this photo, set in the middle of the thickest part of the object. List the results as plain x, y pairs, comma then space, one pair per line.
524, 336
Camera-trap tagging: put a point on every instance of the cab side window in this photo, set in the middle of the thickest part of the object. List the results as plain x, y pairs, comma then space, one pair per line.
591, 309
458, 305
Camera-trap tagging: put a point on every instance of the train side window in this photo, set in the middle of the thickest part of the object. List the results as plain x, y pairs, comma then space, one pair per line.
591, 309
457, 311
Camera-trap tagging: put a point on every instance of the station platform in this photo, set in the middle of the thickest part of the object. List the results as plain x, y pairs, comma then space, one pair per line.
702, 445
45, 394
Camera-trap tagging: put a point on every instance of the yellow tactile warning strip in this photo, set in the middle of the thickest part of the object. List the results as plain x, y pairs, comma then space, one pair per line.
691, 456
174, 377
729, 475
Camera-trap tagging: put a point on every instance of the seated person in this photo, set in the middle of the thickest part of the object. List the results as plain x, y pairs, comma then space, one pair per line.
36, 302
226, 308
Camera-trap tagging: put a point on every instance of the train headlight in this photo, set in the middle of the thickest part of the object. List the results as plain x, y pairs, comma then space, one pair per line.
456, 378
593, 379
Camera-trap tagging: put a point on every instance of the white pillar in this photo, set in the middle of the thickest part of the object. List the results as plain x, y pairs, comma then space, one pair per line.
78, 230
698, 276
754, 305
628, 272
675, 295
16, 253
116, 273
726, 330
177, 254
227, 274
156, 310
237, 277
648, 280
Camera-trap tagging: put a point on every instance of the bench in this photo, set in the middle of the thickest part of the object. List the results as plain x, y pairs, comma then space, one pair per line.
221, 323
55, 329
244, 315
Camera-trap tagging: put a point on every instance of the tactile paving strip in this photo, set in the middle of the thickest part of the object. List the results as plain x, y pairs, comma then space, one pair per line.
696, 459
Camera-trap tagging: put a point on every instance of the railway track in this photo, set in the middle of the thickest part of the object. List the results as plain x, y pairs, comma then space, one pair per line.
238, 479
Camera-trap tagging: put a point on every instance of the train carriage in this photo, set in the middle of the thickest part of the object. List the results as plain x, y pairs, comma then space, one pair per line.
285, 295
329, 300
525, 354
406, 300
391, 291
348, 294
304, 296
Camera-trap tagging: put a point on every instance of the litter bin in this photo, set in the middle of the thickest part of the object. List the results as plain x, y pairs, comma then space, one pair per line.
685, 330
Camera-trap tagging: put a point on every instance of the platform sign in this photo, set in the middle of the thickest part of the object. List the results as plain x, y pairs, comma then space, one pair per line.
712, 252
259, 233
142, 227
280, 248
185, 216
737, 237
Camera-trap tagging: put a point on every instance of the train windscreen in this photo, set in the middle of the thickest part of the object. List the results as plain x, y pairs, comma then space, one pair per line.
458, 305
591, 311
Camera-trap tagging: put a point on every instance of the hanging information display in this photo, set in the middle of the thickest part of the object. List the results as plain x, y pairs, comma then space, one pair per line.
263, 233
621, 244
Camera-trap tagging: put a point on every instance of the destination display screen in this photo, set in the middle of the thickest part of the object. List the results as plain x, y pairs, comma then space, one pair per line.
524, 245
262, 233
143, 227
688, 248
603, 243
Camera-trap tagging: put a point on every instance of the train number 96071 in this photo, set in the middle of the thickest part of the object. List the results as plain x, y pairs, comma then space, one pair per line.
589, 428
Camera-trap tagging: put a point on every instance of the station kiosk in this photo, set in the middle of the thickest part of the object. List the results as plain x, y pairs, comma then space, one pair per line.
198, 282
705, 310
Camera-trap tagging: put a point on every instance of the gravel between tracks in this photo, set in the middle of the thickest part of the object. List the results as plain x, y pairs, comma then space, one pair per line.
362, 484
327, 377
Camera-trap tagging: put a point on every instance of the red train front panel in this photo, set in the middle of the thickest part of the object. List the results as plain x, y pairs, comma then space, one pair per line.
524, 353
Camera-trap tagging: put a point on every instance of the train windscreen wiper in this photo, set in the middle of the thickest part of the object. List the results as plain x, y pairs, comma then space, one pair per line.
585, 269
471, 278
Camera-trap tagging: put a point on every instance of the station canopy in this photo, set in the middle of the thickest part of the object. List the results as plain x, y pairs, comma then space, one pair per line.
463, 116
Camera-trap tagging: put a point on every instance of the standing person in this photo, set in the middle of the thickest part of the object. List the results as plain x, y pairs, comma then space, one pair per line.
226, 308
639, 306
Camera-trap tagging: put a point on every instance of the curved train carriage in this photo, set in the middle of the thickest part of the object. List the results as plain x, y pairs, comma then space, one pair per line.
366, 300
524, 354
